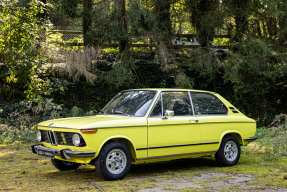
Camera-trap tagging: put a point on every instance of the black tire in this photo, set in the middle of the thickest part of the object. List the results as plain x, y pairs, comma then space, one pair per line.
120, 161
229, 151
64, 165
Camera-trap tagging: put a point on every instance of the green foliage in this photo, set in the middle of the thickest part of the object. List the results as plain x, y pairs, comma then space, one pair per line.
70, 7
142, 20
18, 121
252, 76
255, 70
13, 134
273, 140
21, 30
183, 82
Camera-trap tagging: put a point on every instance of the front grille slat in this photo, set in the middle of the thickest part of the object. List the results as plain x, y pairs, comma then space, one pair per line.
52, 137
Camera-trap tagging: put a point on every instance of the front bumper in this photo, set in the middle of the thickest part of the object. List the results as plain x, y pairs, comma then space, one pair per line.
64, 153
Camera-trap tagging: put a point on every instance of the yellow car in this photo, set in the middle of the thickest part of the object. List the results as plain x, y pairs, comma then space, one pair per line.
143, 125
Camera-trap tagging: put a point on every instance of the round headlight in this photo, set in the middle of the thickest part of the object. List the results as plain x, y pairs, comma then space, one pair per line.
76, 140
39, 135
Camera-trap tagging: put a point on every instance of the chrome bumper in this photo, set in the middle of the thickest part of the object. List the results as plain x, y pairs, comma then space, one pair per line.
250, 139
64, 153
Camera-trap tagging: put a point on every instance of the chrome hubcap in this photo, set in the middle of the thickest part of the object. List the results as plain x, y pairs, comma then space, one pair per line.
230, 151
116, 161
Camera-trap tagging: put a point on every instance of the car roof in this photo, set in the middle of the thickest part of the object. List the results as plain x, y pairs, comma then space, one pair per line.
170, 89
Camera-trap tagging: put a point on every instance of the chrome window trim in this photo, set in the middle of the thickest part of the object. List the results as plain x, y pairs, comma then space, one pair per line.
161, 102
191, 103
160, 97
128, 91
227, 109
157, 99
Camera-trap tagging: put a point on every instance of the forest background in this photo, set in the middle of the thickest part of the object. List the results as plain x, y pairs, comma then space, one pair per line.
42, 78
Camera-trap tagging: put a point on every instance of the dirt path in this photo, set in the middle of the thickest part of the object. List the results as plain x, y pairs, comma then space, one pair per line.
20, 170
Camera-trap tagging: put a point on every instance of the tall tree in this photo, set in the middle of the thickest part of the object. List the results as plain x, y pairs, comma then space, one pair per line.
87, 20
204, 33
205, 16
162, 17
71, 8
283, 23
120, 9
241, 10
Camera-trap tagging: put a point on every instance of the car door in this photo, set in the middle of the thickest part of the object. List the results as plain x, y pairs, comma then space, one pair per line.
172, 135
212, 119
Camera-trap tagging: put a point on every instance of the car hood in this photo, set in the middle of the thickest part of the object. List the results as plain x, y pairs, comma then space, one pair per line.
99, 121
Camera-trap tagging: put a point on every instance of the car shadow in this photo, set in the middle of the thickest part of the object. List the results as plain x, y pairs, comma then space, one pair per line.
147, 169
143, 170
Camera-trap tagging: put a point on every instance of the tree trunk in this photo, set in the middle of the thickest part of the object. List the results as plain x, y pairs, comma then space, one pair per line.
122, 23
283, 24
241, 13
258, 29
87, 21
162, 9
204, 33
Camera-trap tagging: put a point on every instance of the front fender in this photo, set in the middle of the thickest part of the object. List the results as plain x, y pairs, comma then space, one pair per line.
116, 137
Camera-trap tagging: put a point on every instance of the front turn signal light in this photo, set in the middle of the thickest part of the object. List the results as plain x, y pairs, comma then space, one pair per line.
89, 131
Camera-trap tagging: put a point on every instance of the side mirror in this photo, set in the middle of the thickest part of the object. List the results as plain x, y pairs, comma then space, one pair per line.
168, 113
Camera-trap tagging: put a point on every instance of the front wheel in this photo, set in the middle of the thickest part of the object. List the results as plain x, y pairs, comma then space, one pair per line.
229, 151
114, 161
64, 165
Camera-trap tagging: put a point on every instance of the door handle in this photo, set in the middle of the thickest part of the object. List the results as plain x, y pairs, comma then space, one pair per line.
193, 120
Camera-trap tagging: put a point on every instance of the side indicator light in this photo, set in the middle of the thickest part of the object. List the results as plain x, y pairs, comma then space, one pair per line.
89, 131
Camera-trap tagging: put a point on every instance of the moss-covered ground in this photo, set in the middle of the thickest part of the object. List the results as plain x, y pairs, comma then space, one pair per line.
21, 170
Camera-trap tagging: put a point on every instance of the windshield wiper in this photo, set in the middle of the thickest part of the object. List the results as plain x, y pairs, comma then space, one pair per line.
119, 112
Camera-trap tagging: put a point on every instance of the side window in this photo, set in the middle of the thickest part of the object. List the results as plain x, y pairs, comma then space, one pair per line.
156, 112
178, 102
207, 104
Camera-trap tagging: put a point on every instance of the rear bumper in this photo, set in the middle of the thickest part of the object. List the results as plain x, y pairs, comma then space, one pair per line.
250, 139
64, 153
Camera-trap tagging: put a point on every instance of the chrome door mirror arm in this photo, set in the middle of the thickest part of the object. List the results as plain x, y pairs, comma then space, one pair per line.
168, 113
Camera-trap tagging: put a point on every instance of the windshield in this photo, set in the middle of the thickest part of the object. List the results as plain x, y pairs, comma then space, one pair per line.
133, 103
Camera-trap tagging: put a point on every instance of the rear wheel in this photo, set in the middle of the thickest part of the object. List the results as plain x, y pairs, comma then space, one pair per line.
64, 165
114, 161
229, 151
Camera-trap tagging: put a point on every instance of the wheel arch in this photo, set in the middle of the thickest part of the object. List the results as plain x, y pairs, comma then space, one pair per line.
233, 133
123, 139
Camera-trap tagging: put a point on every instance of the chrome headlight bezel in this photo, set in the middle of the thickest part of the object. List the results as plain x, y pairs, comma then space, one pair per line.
39, 136
78, 140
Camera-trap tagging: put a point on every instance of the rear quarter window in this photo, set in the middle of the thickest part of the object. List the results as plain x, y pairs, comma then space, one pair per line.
207, 104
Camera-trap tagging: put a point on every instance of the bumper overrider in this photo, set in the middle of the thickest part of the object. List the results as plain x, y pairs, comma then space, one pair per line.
64, 153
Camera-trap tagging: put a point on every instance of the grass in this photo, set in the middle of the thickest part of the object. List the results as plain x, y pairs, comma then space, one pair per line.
261, 167
21, 170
